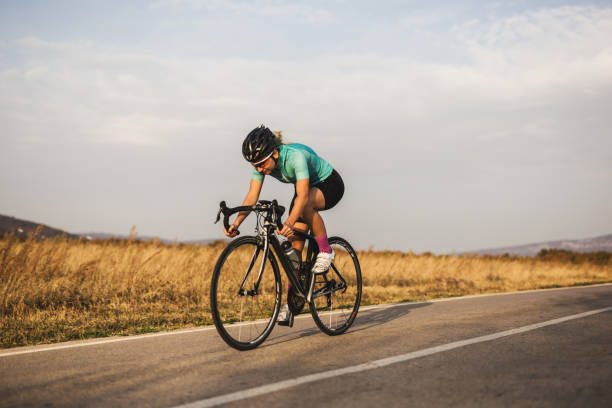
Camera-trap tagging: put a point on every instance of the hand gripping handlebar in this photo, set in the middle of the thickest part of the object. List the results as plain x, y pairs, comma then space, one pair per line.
270, 207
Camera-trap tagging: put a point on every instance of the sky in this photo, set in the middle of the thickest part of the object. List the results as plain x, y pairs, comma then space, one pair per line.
456, 126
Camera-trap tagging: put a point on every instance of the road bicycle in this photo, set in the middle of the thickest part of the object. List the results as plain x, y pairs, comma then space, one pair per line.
246, 288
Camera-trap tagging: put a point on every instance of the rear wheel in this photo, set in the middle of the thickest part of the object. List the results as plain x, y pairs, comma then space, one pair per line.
337, 292
245, 315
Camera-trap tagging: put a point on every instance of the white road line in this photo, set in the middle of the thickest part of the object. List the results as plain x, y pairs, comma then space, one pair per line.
482, 295
113, 340
37, 349
270, 388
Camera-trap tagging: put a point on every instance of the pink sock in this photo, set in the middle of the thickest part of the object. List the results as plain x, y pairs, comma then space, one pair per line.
323, 244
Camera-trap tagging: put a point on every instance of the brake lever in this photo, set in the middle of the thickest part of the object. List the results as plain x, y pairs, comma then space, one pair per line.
219, 215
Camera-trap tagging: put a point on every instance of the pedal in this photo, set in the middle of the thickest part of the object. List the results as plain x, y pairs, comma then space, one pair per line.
288, 321
295, 302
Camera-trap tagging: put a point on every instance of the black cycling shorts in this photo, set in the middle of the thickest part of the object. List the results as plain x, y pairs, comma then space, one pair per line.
332, 188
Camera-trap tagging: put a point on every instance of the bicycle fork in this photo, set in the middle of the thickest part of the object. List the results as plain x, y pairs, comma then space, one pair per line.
242, 291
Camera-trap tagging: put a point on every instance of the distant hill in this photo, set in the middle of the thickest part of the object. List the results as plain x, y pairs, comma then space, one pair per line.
102, 235
602, 243
22, 228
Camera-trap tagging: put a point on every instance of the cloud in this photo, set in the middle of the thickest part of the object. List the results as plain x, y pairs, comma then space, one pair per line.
515, 110
35, 44
546, 36
536, 63
261, 8
140, 129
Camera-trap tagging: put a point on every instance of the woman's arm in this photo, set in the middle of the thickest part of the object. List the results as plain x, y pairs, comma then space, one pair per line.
250, 199
302, 189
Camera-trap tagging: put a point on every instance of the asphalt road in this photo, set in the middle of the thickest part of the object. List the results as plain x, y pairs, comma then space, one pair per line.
428, 360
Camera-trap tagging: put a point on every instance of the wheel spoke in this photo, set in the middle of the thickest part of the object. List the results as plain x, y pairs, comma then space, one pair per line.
339, 291
243, 312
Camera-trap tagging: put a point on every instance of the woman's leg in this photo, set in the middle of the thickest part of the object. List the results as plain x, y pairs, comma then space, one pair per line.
314, 222
316, 201
322, 196
297, 242
312, 216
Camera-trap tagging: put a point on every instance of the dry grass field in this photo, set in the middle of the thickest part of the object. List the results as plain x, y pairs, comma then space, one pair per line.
58, 289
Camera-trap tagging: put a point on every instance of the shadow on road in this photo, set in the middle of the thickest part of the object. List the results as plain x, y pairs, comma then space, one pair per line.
366, 320
375, 317
290, 336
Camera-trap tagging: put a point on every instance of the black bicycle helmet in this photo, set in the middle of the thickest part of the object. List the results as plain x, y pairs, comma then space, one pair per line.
259, 144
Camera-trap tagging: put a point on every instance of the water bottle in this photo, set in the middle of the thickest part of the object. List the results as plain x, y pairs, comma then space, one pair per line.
293, 256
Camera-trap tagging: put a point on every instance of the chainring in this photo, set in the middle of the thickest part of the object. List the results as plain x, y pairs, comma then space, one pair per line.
296, 302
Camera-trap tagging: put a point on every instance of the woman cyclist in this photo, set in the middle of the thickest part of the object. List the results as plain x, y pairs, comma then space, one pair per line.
317, 185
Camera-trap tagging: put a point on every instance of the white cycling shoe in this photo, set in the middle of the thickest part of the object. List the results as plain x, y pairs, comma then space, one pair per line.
285, 317
323, 262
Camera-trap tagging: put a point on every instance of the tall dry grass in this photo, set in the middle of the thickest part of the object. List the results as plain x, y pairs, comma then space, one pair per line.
396, 276
57, 290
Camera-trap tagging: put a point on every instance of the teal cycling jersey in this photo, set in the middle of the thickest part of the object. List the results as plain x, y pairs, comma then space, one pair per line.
297, 162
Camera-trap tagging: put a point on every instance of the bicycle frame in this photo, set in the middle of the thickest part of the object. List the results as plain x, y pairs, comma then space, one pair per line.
271, 222
270, 240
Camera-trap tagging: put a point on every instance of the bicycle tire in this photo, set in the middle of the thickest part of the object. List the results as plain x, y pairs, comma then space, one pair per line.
335, 310
247, 327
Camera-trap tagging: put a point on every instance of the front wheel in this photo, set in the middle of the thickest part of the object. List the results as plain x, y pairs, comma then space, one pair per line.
337, 292
243, 302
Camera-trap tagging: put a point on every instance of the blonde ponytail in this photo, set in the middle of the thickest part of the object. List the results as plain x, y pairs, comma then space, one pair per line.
279, 137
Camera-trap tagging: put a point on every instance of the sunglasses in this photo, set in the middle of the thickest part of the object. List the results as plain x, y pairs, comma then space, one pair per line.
262, 163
